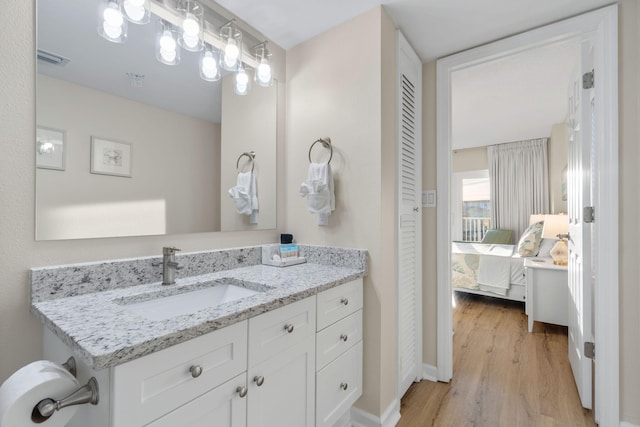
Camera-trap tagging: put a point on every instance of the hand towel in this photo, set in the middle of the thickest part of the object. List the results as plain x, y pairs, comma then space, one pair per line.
245, 196
319, 191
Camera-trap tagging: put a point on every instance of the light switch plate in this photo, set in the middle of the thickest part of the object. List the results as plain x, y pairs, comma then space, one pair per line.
429, 198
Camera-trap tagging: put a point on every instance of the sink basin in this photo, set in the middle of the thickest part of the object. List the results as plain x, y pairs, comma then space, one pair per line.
160, 306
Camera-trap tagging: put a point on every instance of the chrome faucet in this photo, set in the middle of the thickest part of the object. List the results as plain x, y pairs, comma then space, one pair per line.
169, 266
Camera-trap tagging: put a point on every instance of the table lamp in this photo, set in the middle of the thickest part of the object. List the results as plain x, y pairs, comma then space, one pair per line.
557, 227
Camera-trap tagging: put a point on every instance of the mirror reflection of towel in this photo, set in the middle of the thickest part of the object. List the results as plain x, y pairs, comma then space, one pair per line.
245, 196
318, 189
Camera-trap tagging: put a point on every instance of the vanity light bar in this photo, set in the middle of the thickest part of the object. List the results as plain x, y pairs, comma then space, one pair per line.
52, 58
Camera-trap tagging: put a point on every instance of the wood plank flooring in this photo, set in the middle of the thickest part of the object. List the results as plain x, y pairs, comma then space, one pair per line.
502, 374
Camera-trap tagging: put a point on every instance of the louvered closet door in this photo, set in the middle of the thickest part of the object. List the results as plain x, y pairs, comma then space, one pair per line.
410, 216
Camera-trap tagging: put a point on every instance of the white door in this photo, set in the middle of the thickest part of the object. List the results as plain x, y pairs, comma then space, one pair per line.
579, 197
409, 216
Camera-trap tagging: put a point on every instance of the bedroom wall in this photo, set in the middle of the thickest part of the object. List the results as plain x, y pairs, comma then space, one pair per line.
469, 159
557, 152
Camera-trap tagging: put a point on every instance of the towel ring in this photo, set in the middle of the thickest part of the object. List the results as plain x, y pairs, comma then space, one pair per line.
251, 155
326, 143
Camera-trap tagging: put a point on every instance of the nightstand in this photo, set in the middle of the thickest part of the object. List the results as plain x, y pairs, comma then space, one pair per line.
547, 292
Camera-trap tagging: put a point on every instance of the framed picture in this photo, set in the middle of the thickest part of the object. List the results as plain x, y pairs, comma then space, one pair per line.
50, 148
110, 157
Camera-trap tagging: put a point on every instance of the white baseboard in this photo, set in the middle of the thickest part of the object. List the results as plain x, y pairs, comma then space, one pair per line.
626, 424
389, 418
429, 372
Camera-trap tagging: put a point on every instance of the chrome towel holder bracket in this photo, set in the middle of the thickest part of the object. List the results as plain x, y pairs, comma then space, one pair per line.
251, 155
326, 143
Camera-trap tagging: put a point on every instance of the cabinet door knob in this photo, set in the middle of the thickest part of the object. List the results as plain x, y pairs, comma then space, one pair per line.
288, 327
196, 371
242, 391
259, 380
344, 301
344, 337
344, 386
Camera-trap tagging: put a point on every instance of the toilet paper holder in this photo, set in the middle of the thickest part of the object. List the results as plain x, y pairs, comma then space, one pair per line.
88, 393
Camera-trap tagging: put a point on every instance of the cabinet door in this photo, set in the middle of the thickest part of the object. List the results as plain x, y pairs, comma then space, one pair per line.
223, 406
285, 397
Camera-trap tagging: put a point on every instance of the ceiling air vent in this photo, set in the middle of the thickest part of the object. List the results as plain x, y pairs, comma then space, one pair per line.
52, 58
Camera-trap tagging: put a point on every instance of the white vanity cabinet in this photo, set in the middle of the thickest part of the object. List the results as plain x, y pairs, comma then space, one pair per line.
338, 352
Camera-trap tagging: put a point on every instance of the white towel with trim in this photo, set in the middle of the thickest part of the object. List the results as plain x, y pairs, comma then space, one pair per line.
245, 196
319, 191
494, 272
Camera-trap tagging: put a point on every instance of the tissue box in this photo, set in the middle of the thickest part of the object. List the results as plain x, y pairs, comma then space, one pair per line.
281, 255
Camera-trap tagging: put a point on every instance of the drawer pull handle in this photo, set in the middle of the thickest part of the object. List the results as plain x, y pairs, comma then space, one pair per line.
288, 327
196, 371
259, 380
344, 301
344, 337
344, 386
242, 391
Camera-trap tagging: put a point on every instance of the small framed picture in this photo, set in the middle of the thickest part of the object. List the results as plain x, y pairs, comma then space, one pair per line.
110, 157
50, 148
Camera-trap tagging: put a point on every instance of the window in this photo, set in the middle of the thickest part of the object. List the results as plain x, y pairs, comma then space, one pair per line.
471, 205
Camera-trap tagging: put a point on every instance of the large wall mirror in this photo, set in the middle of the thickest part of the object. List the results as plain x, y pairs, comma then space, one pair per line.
128, 146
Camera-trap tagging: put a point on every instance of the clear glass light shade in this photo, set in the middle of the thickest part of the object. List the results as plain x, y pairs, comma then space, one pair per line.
232, 54
111, 23
167, 49
137, 11
209, 65
192, 27
263, 75
560, 252
242, 82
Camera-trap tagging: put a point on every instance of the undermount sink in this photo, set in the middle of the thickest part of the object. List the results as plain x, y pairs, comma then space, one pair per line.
167, 303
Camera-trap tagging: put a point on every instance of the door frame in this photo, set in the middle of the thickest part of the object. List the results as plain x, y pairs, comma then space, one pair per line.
602, 24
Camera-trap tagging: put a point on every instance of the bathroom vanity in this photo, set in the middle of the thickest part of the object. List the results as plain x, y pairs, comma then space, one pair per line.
288, 353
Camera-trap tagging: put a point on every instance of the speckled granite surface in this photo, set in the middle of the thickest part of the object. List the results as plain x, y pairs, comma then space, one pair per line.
97, 325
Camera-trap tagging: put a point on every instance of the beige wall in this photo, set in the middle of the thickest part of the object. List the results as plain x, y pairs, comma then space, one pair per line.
629, 230
253, 130
329, 94
557, 152
469, 159
75, 204
20, 333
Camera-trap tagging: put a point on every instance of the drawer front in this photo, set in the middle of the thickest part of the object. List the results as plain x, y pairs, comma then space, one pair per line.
222, 404
338, 386
146, 388
339, 302
334, 340
274, 331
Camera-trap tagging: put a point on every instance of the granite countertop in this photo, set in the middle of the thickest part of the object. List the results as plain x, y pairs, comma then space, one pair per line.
103, 332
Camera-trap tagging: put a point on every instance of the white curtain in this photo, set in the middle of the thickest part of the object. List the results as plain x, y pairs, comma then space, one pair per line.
519, 175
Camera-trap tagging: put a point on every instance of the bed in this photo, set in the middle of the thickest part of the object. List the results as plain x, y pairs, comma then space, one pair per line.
488, 269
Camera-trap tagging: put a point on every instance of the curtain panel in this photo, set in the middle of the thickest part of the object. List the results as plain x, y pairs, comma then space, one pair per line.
519, 176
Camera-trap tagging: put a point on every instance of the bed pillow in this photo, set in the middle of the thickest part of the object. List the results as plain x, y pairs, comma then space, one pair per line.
529, 243
545, 248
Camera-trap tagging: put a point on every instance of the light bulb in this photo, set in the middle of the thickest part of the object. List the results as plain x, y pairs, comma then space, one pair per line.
135, 10
112, 16
190, 26
264, 71
209, 66
241, 89
190, 41
167, 42
168, 55
136, 3
113, 32
231, 53
242, 78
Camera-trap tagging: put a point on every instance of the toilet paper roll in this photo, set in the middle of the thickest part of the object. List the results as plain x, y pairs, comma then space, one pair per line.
22, 391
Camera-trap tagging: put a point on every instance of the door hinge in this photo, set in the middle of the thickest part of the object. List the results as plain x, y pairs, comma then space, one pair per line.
589, 350
588, 80
589, 214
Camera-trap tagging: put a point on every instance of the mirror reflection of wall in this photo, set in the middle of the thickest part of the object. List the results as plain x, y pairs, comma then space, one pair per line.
172, 123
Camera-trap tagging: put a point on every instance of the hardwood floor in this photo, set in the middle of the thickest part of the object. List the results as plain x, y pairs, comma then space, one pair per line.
502, 374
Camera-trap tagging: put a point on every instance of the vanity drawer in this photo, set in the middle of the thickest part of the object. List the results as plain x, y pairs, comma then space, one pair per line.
153, 385
339, 302
274, 331
338, 338
338, 386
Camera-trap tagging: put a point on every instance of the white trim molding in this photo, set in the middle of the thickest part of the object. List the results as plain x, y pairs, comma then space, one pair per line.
430, 372
389, 418
626, 424
602, 25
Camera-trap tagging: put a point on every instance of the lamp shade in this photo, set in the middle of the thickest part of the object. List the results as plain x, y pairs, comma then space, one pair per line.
554, 225
535, 218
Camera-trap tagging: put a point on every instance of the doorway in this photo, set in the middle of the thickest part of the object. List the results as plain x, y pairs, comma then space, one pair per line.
602, 23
